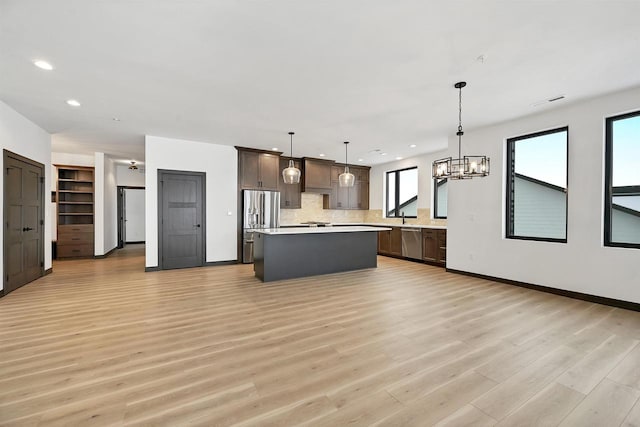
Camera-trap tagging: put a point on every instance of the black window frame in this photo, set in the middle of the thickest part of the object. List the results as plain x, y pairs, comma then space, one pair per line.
397, 193
510, 179
435, 197
608, 181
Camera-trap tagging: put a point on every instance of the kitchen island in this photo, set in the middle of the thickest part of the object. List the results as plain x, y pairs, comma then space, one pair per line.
285, 253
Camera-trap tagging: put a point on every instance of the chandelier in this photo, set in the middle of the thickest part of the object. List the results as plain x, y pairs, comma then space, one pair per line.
464, 167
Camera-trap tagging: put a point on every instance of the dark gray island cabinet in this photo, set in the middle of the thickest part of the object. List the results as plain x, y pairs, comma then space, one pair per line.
286, 253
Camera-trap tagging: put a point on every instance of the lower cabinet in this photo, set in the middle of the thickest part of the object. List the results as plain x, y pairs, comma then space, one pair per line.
75, 241
390, 242
434, 244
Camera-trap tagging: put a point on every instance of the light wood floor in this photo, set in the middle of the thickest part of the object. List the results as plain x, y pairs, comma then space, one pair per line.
100, 342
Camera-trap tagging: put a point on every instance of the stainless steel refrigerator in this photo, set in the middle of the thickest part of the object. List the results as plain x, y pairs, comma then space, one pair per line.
261, 209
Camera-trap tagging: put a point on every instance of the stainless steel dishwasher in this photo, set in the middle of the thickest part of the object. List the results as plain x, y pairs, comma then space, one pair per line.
412, 243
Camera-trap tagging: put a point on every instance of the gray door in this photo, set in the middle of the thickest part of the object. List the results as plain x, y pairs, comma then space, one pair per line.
23, 215
181, 216
122, 229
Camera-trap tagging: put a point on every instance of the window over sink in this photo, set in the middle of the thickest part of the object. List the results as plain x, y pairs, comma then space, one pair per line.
402, 193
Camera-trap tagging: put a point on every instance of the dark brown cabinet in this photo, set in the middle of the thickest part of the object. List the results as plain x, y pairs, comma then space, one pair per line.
434, 245
390, 242
290, 194
316, 175
396, 241
258, 170
75, 203
384, 242
356, 197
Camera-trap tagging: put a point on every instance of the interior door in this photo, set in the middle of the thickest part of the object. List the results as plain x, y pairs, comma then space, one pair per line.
134, 215
181, 197
122, 230
23, 215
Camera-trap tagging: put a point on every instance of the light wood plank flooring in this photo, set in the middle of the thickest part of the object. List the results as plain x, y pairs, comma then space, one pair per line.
100, 342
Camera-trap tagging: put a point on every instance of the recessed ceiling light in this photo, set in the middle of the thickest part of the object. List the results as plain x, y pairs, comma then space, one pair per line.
321, 154
383, 154
73, 102
115, 119
43, 65
412, 146
398, 158
361, 160
274, 149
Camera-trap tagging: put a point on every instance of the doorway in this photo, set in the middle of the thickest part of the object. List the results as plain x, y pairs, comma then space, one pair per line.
181, 213
24, 219
131, 215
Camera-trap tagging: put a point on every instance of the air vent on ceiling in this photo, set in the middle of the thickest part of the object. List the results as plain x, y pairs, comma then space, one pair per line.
546, 101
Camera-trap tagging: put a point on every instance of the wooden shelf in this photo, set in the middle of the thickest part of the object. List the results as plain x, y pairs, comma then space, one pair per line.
75, 203
84, 181
75, 191
75, 213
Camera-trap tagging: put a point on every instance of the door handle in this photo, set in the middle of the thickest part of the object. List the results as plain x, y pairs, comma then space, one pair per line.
197, 225
27, 229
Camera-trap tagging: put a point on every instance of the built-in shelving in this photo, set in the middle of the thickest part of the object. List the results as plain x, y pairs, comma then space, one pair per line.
75, 201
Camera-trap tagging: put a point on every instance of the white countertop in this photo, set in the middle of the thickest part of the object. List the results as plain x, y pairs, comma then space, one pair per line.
367, 224
315, 230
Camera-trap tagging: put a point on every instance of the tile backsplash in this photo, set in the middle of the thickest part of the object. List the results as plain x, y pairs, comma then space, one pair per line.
312, 211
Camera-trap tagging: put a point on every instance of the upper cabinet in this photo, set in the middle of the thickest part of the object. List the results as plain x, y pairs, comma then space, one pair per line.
316, 175
262, 170
258, 170
290, 197
356, 197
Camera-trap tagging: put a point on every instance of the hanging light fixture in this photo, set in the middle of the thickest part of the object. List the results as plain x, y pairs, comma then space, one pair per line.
346, 179
291, 174
133, 166
464, 167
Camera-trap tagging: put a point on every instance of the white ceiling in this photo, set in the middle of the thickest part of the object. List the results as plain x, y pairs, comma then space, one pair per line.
378, 73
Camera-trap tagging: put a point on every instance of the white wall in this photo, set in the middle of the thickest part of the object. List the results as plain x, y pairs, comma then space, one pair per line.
377, 179
476, 214
110, 240
98, 211
134, 214
129, 178
106, 226
23, 137
219, 163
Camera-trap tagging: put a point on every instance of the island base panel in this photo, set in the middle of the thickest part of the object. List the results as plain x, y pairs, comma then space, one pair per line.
278, 257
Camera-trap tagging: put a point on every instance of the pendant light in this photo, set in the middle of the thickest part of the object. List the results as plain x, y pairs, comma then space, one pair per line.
464, 167
346, 179
291, 174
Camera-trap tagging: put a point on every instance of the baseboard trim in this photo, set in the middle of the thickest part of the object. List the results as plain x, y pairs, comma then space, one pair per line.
48, 271
105, 255
206, 264
217, 263
627, 305
134, 243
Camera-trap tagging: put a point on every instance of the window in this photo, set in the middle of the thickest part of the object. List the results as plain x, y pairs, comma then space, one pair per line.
537, 186
622, 181
402, 193
440, 198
